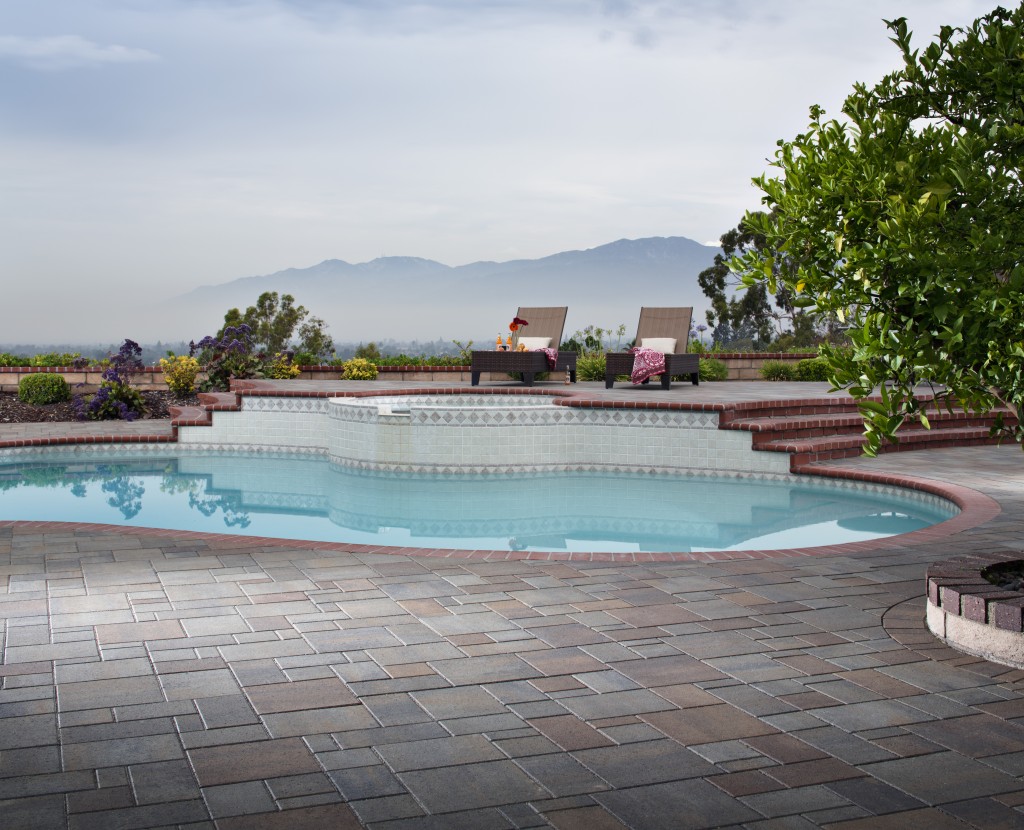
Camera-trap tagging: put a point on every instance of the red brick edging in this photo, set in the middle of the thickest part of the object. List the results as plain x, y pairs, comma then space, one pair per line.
976, 508
957, 587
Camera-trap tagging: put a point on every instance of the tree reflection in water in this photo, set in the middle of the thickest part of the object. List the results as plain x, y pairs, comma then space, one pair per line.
208, 505
125, 493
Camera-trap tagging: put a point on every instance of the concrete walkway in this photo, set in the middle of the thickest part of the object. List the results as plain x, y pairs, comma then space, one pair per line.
172, 681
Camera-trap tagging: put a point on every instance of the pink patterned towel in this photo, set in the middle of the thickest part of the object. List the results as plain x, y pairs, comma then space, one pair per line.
646, 362
552, 356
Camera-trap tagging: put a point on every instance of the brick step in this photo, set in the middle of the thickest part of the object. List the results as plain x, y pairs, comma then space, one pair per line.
757, 410
906, 436
766, 430
189, 416
220, 401
828, 421
828, 448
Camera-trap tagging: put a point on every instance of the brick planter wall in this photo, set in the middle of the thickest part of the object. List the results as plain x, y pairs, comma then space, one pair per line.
747, 365
742, 366
425, 374
152, 377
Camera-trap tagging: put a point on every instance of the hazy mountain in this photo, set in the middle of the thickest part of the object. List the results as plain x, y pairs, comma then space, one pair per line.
410, 297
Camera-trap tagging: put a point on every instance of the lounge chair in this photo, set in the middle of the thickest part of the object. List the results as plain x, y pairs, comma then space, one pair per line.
659, 324
543, 323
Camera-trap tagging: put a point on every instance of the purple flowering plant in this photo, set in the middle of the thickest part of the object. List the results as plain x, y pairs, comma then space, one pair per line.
230, 355
116, 397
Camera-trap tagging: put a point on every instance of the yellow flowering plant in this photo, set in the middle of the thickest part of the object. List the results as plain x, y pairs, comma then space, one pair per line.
282, 368
358, 368
180, 373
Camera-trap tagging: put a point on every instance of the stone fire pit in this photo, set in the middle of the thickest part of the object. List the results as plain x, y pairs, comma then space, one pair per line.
973, 605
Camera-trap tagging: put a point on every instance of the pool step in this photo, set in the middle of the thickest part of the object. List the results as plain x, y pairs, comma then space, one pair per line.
189, 416
830, 447
823, 430
220, 401
769, 430
202, 415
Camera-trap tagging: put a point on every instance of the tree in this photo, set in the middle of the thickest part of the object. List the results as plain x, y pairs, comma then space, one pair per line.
751, 318
274, 321
314, 339
369, 352
748, 316
906, 220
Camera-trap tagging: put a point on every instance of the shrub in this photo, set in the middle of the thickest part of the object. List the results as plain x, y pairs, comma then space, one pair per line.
592, 339
358, 368
48, 359
114, 400
180, 372
590, 366
465, 355
231, 356
815, 368
776, 370
280, 367
422, 360
368, 352
41, 389
116, 397
57, 359
711, 369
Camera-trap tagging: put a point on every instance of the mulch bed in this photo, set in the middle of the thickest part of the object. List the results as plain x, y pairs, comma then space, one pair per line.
13, 411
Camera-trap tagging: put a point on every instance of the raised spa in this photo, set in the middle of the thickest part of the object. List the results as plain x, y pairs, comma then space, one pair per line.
521, 433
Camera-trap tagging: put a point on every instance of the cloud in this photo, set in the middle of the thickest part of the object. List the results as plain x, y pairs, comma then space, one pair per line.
67, 52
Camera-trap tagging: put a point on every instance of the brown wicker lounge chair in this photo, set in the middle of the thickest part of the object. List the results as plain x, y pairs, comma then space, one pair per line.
659, 322
543, 322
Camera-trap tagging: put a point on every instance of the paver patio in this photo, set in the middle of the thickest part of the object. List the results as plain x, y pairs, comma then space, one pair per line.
173, 680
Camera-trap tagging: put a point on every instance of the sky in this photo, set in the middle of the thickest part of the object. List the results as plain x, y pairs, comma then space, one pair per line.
151, 146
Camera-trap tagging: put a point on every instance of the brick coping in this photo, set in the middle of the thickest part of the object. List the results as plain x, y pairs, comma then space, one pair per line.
976, 508
972, 615
958, 588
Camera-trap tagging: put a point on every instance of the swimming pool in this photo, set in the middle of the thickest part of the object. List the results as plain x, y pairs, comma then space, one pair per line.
309, 496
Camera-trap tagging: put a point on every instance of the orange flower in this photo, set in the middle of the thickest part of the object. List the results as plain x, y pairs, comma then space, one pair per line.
516, 323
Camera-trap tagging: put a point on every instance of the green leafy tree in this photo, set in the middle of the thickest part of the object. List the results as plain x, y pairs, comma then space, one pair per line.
314, 339
273, 321
906, 220
370, 352
753, 317
747, 316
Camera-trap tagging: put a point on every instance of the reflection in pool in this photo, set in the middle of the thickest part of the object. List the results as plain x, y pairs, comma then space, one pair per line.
309, 497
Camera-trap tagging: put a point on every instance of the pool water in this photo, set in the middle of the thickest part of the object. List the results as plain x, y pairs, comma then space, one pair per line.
309, 497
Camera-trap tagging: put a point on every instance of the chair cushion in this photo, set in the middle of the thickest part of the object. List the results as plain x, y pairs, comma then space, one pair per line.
533, 343
665, 345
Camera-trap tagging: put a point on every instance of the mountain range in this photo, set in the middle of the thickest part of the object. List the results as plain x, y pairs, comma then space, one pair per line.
408, 298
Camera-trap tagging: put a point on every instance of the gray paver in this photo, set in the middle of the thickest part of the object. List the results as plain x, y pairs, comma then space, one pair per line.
651, 762
669, 806
484, 784
942, 777
573, 688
